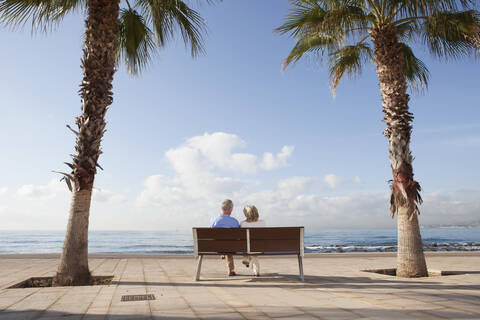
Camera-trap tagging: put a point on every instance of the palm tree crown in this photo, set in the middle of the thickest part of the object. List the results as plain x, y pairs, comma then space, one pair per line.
343, 30
144, 26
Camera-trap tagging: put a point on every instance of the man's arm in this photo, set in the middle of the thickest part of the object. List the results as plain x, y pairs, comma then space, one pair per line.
213, 222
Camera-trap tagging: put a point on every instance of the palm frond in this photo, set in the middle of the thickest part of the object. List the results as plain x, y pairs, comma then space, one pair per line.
310, 18
407, 31
348, 60
168, 15
42, 14
316, 44
428, 7
136, 43
303, 14
452, 34
416, 72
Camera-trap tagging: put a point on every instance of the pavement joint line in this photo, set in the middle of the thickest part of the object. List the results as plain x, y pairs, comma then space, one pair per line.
146, 288
39, 315
178, 291
91, 303
11, 305
116, 288
297, 307
225, 302
99, 291
6, 290
44, 271
435, 315
115, 267
99, 265
315, 298
457, 309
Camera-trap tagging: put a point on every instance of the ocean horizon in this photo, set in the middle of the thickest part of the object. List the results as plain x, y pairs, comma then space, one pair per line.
181, 242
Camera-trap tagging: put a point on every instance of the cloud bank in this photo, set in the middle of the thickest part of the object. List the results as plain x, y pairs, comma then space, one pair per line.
209, 168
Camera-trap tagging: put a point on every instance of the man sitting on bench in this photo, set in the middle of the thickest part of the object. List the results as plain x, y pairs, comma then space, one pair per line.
225, 221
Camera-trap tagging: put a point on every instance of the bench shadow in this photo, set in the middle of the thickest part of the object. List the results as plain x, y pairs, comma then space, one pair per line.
275, 280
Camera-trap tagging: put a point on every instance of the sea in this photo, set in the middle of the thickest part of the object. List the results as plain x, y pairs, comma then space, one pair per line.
181, 242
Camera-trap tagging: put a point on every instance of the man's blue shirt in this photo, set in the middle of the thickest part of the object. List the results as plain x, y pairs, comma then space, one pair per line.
224, 221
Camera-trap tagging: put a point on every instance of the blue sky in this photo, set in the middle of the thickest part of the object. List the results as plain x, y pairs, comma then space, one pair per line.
188, 133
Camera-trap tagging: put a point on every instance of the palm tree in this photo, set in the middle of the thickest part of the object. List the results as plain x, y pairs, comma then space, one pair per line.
112, 33
352, 32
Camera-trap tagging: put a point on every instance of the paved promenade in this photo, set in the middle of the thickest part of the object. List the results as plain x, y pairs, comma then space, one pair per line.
334, 288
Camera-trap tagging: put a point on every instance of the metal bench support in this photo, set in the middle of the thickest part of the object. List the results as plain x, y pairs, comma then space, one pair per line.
301, 254
199, 267
300, 266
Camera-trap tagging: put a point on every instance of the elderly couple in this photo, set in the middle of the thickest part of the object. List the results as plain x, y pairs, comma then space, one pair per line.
224, 220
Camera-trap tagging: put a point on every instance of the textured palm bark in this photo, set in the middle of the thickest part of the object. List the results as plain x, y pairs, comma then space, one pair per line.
405, 196
73, 269
98, 64
410, 258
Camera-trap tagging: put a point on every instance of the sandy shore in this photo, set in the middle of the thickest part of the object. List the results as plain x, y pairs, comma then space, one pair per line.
334, 288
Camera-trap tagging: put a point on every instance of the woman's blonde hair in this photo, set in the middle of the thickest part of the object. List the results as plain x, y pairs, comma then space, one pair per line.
251, 213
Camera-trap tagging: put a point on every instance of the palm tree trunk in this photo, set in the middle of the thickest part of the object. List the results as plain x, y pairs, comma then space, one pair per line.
98, 64
73, 268
410, 258
405, 196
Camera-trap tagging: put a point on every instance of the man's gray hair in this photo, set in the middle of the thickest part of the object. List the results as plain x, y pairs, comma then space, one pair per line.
227, 204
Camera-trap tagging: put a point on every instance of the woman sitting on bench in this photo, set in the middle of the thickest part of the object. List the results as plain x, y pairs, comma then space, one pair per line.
251, 213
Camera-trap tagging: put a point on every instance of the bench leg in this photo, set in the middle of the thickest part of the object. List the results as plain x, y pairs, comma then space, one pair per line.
199, 266
300, 266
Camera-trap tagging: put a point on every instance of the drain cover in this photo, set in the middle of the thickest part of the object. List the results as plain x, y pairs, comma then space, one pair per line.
138, 297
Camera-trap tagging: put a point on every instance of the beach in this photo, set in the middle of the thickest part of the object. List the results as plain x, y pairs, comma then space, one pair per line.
334, 288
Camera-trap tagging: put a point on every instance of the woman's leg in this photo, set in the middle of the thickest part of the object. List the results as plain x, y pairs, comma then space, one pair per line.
255, 265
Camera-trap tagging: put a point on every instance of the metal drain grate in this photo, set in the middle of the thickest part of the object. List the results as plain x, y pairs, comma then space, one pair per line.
138, 297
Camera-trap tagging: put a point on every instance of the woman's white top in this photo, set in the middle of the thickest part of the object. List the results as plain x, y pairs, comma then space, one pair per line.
255, 224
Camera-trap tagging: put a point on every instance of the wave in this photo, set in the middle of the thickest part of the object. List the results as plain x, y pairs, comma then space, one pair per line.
442, 246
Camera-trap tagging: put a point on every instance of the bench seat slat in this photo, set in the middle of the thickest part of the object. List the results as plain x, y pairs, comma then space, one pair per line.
275, 233
275, 245
222, 246
222, 233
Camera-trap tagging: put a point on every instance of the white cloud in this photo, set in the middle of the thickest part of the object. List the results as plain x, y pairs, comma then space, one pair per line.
3, 190
333, 180
271, 162
197, 164
296, 185
55, 188
41, 192
107, 196
215, 151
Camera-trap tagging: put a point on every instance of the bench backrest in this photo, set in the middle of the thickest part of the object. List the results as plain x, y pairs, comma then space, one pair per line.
249, 240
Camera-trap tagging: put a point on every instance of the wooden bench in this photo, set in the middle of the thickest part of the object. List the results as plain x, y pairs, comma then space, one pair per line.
240, 241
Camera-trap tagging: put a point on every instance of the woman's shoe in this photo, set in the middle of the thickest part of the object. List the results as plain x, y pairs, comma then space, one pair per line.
232, 273
246, 263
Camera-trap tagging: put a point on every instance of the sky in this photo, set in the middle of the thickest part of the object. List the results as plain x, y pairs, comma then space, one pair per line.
188, 133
